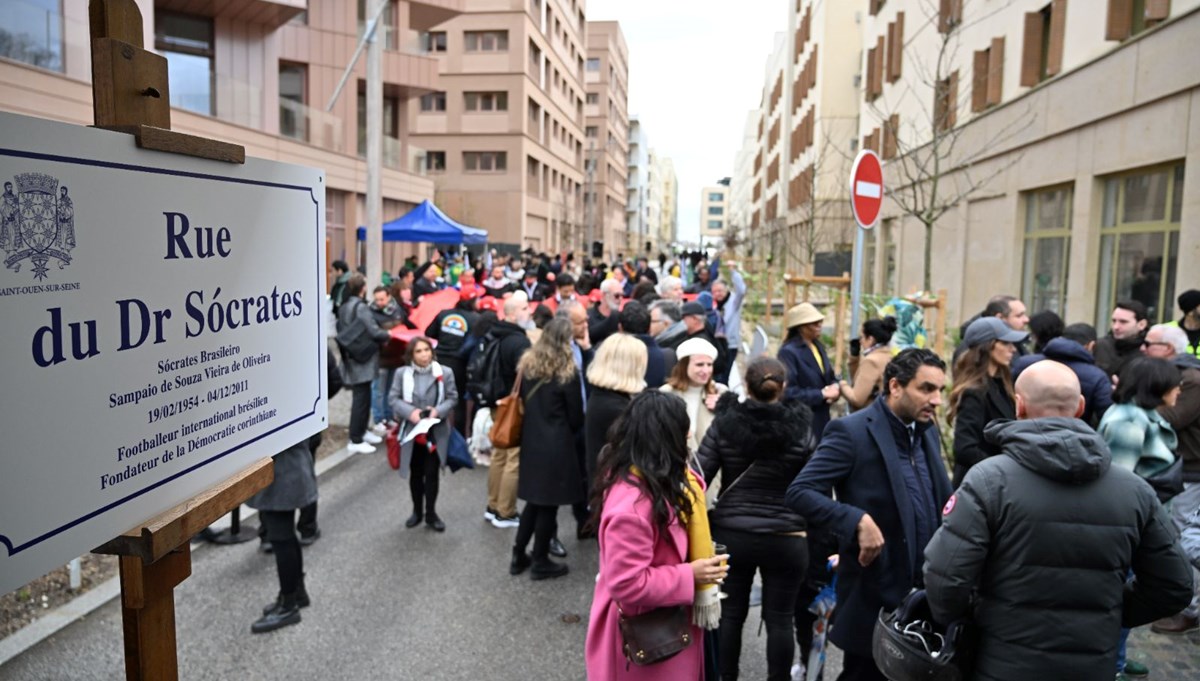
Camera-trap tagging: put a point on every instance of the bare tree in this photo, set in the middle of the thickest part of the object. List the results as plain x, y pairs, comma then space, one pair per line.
818, 222
940, 165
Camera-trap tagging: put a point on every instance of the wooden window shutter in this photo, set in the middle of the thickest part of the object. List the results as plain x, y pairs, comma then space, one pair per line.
869, 82
880, 64
895, 43
1058, 28
944, 16
1031, 50
995, 85
1120, 20
1157, 10
873, 7
813, 61
979, 81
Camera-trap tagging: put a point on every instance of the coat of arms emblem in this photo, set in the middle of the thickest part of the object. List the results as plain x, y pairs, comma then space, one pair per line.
37, 223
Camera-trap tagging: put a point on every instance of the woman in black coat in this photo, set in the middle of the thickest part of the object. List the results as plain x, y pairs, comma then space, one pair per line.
759, 446
551, 472
616, 374
983, 390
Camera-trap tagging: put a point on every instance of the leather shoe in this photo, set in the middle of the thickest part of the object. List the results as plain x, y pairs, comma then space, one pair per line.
414, 520
547, 569
435, 523
557, 549
1175, 624
302, 601
285, 613
520, 562
308, 539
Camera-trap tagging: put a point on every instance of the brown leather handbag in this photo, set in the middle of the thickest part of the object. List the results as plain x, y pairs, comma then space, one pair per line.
508, 416
654, 636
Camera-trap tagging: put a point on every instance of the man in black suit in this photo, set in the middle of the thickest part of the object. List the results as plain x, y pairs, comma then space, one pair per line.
885, 464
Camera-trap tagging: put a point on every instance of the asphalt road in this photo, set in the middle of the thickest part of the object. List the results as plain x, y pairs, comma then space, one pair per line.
388, 603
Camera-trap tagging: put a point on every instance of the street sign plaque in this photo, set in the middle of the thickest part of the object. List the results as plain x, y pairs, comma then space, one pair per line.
866, 188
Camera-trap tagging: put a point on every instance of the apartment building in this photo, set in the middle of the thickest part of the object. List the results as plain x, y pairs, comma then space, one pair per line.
668, 223
1069, 145
504, 132
714, 213
259, 73
741, 184
606, 110
637, 188
803, 142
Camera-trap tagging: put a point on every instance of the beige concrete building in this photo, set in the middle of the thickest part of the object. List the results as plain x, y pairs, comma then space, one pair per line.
504, 134
606, 108
258, 73
637, 188
1076, 144
714, 213
803, 142
668, 222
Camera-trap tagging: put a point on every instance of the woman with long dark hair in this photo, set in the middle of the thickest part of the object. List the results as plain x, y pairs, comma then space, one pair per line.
983, 390
759, 446
867, 364
655, 547
423, 389
551, 472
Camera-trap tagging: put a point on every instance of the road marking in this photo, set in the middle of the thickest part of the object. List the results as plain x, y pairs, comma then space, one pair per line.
868, 189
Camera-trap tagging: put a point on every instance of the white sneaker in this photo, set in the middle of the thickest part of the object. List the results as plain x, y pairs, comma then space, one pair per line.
371, 438
502, 522
360, 448
380, 429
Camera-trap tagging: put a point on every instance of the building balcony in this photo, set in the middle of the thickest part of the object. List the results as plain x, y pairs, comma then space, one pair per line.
269, 13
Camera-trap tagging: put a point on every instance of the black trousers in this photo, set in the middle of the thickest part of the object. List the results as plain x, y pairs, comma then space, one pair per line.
289, 561
423, 479
360, 410
860, 668
781, 559
307, 525
541, 524
459, 367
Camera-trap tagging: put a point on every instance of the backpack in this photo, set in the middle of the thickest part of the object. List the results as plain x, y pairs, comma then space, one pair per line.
484, 381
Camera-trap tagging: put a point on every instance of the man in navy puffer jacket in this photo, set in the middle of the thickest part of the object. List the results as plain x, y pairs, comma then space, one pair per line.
1073, 348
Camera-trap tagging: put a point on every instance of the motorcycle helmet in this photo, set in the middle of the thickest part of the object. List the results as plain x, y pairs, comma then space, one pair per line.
909, 646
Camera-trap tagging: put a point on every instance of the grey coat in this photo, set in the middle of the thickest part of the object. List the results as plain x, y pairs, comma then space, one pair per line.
356, 373
295, 483
425, 395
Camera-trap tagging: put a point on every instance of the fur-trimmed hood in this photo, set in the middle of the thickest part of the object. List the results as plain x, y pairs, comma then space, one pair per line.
765, 429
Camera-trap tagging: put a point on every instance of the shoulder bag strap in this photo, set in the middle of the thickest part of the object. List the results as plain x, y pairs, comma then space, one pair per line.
726, 489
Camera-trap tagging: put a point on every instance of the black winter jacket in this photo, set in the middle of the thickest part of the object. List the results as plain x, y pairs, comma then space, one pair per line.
1112, 354
977, 408
513, 343
776, 439
1042, 538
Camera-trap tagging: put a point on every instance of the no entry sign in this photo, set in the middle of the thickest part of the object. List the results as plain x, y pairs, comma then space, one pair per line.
866, 188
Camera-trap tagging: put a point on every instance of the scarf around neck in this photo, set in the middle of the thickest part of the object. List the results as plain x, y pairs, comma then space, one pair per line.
706, 607
408, 382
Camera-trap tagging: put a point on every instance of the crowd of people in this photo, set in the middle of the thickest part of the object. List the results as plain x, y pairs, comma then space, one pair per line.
1068, 450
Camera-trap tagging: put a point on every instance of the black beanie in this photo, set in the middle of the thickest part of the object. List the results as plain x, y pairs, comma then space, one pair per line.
1189, 300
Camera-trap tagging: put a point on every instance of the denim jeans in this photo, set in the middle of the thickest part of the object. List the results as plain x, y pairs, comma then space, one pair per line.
1181, 507
380, 385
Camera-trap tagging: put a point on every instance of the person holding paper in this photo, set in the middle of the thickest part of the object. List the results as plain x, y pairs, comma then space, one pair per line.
423, 390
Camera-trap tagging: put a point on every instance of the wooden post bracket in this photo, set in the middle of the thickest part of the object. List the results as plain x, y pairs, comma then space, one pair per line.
130, 89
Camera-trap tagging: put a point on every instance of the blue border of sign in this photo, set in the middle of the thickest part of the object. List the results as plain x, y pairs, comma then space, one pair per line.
14, 550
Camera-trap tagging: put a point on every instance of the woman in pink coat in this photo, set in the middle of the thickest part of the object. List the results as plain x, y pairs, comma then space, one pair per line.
641, 493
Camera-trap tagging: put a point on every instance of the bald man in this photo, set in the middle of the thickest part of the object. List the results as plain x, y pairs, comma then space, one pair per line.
1039, 540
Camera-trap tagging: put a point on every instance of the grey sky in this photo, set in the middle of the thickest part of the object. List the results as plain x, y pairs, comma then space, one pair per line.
695, 69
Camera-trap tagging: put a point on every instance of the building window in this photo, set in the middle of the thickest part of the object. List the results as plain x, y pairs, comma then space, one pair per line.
591, 132
187, 43
945, 102
987, 79
593, 65
486, 101
1139, 241
433, 102
1042, 49
715, 196
485, 41
716, 210
435, 161
293, 116
433, 41
485, 161
714, 224
1130, 17
391, 126
593, 98
895, 48
1047, 249
31, 32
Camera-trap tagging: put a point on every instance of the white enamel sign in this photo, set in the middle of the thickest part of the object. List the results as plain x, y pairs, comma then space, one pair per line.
160, 330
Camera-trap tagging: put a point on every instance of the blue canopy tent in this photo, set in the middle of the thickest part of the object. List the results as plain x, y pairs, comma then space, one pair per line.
429, 224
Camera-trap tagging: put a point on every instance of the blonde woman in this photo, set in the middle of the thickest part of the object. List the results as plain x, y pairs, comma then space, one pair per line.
616, 374
551, 472
692, 380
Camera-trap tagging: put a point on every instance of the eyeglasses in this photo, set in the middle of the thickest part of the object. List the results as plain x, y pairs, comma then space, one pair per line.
1147, 344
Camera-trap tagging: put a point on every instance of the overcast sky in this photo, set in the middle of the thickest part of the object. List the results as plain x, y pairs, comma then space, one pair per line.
695, 69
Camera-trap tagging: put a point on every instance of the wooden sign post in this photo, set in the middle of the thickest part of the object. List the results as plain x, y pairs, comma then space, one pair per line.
130, 94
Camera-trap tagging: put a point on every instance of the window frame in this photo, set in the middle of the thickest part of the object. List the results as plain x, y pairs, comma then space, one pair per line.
1035, 235
428, 102
497, 160
479, 39
163, 46
302, 128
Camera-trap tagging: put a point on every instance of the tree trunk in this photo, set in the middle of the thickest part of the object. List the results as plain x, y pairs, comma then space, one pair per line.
928, 256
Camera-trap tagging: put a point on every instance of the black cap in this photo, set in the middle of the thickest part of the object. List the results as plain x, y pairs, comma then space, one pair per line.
1189, 300
692, 308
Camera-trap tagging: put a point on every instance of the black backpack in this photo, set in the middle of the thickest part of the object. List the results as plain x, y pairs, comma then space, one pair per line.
484, 381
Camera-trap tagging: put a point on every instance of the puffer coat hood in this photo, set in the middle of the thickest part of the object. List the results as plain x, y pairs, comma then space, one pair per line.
1062, 449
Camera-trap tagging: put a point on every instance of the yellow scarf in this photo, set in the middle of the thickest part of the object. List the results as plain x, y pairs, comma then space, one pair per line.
706, 608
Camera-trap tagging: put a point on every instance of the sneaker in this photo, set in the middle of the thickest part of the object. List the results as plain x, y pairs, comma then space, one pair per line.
371, 438
490, 514
380, 428
503, 522
1135, 669
308, 539
360, 448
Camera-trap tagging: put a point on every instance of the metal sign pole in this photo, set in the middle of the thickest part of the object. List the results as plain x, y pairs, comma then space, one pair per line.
857, 281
